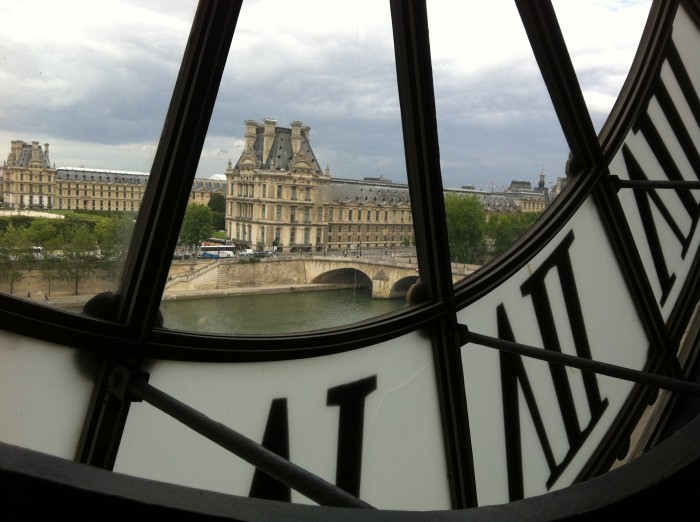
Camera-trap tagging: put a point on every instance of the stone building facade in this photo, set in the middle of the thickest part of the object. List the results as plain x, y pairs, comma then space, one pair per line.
90, 189
528, 198
204, 188
367, 214
279, 198
274, 189
277, 195
29, 181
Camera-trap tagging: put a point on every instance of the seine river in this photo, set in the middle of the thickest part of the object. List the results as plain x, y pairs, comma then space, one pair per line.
275, 313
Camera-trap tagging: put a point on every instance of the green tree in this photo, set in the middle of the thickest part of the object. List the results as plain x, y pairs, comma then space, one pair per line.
79, 260
20, 221
50, 266
75, 220
217, 203
9, 274
15, 249
43, 230
196, 226
505, 229
113, 235
466, 224
48, 234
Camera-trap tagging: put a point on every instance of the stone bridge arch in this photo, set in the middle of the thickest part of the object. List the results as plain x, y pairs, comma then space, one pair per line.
344, 276
386, 279
400, 288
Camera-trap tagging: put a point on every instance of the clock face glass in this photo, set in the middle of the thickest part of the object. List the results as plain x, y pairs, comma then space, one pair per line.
306, 145
379, 404
338, 191
562, 301
601, 63
502, 151
661, 148
503, 161
547, 195
501, 143
86, 91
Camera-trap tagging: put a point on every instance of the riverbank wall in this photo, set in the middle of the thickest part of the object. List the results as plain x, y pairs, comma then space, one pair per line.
234, 279
235, 274
195, 280
264, 273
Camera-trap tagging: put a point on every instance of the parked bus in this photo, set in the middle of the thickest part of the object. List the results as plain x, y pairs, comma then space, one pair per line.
215, 251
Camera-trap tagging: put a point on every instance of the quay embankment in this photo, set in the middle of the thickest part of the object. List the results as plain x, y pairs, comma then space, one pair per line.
260, 289
388, 278
62, 300
34, 286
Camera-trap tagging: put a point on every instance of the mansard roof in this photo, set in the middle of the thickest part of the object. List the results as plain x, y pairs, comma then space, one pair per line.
519, 186
101, 176
209, 184
25, 156
367, 191
281, 153
80, 174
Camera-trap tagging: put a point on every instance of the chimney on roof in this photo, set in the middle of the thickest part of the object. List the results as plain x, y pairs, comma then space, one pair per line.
296, 136
250, 127
46, 151
268, 137
35, 151
17, 146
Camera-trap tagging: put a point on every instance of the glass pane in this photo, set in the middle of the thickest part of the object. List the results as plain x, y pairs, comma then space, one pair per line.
401, 462
564, 276
45, 390
86, 86
301, 186
503, 154
603, 61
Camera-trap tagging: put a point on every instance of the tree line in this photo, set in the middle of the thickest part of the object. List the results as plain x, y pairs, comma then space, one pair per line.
476, 236
75, 244
74, 247
71, 248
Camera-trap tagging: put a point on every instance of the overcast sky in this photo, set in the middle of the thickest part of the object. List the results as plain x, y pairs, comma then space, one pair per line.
94, 79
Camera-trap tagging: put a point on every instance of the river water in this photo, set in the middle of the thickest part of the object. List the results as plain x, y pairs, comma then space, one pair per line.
275, 313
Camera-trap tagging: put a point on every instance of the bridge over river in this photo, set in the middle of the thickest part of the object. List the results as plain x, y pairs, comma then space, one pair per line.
388, 278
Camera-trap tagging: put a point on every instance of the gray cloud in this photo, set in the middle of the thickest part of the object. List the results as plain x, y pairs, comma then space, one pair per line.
95, 82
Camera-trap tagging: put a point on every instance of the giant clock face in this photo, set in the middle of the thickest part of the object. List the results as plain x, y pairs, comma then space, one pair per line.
559, 360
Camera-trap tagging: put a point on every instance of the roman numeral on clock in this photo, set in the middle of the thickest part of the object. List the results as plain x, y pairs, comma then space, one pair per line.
515, 378
350, 399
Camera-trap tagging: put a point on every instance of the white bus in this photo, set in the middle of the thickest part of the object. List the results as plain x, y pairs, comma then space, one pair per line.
216, 251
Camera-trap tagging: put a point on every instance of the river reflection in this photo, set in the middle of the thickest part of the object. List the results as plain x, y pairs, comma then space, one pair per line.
275, 313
